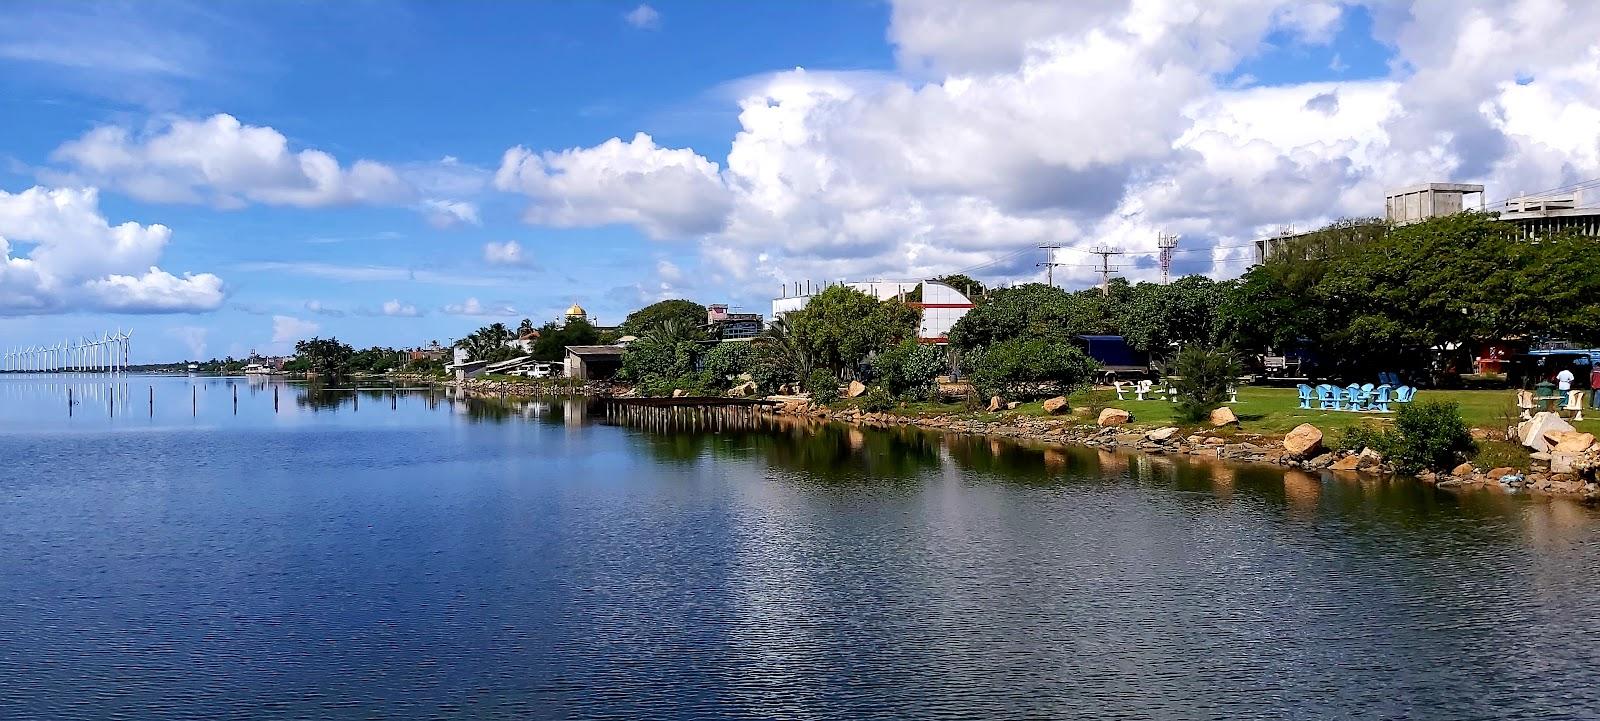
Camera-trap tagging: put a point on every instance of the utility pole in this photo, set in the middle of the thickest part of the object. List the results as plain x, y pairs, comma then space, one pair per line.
1049, 262
1105, 253
1166, 243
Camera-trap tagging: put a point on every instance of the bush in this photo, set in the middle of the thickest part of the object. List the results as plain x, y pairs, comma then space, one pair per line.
1501, 454
1355, 438
726, 361
1027, 368
908, 369
824, 388
1432, 434
877, 400
1204, 376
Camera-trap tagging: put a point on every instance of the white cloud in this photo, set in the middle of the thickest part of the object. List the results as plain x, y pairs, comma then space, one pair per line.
666, 192
643, 17
507, 253
193, 338
472, 307
222, 161
398, 309
80, 261
450, 213
288, 329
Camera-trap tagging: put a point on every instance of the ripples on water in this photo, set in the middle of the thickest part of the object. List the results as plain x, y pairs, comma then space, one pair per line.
447, 559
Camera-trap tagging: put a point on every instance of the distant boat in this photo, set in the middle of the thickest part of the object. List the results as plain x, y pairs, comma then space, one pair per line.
257, 369
194, 367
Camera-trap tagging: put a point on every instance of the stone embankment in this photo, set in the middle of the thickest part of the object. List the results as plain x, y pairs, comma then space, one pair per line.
1301, 448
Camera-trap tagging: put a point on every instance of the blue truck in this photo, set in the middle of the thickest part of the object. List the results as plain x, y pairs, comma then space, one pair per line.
1117, 359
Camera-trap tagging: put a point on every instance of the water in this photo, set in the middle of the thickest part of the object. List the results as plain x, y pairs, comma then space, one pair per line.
421, 556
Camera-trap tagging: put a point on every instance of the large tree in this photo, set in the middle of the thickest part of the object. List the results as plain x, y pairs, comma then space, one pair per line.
1157, 318
642, 320
555, 337
324, 356
841, 325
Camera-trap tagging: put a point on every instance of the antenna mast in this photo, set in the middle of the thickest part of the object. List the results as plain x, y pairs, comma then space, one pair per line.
1166, 243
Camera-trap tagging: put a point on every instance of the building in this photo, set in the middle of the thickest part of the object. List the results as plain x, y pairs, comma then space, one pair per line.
1428, 200
525, 342
593, 362
725, 325
1550, 213
941, 305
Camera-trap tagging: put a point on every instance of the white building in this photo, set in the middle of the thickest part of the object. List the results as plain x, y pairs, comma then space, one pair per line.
941, 305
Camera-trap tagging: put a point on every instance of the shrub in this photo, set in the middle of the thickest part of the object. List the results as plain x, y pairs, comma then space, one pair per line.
1432, 434
824, 388
1357, 437
877, 400
1204, 376
1026, 368
1501, 454
909, 368
726, 361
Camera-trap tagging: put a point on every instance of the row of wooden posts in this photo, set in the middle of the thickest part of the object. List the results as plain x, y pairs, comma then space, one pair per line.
194, 400
709, 417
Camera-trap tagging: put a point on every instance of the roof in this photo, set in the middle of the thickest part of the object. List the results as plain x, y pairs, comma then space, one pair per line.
576, 309
594, 350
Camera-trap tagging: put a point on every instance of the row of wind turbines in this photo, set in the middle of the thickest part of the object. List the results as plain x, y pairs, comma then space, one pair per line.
106, 354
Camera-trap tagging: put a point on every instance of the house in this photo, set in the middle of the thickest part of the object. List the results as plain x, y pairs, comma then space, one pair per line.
725, 325
593, 362
524, 342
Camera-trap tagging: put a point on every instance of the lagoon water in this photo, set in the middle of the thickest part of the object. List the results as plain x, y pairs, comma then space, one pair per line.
412, 555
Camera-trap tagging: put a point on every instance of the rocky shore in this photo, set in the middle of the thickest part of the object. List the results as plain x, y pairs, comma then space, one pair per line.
1302, 448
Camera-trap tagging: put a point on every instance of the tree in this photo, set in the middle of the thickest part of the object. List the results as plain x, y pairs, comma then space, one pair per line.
908, 369
1204, 376
489, 343
779, 357
555, 337
525, 327
841, 325
650, 316
1025, 368
324, 356
1038, 310
1156, 317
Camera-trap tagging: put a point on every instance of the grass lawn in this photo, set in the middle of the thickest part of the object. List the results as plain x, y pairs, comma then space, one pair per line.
1275, 411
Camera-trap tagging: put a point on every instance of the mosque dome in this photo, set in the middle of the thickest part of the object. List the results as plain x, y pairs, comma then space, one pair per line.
576, 311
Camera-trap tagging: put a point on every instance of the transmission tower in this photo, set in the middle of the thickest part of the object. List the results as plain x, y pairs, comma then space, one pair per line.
1050, 262
1105, 253
1166, 243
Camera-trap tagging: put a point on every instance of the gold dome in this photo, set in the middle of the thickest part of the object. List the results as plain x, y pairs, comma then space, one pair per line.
576, 311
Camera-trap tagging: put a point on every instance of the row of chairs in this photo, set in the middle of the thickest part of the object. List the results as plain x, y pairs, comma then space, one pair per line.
1367, 397
1145, 387
1573, 403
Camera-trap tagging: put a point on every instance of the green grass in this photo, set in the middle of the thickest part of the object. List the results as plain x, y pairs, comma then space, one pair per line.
1275, 410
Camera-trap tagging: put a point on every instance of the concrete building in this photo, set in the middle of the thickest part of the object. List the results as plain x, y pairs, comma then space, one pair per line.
726, 325
1429, 200
1571, 211
941, 305
593, 362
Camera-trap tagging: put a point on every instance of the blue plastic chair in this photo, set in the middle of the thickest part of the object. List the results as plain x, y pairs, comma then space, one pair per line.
1327, 398
1382, 402
1305, 395
1405, 394
1355, 397
1366, 387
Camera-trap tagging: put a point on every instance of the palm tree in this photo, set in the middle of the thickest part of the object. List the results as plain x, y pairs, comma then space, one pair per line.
779, 339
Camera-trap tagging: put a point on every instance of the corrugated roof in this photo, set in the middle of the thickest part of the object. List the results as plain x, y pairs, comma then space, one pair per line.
595, 349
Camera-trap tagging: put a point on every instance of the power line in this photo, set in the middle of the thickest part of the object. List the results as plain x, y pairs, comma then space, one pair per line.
1105, 253
1050, 262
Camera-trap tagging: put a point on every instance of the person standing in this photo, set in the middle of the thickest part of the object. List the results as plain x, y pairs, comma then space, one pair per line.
1594, 385
1564, 380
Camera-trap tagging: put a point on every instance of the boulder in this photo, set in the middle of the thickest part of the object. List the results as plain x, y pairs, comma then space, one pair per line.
1573, 443
1161, 435
1321, 461
1114, 417
679, 393
1562, 462
1057, 406
1305, 440
1532, 433
1496, 473
995, 404
1348, 463
1463, 470
1223, 417
856, 389
743, 390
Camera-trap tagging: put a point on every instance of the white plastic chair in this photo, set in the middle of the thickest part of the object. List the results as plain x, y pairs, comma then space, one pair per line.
1233, 394
1120, 391
1525, 402
1575, 404
1141, 389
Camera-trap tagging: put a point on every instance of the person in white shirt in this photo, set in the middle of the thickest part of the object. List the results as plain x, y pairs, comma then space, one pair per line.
1564, 380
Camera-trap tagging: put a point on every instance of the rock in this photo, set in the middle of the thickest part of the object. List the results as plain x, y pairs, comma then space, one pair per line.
856, 389
1057, 406
1305, 440
1214, 441
1348, 463
679, 393
1013, 405
1533, 433
1369, 458
1497, 473
995, 404
743, 390
1129, 439
1112, 417
1573, 443
1564, 463
1222, 417
1161, 435
1462, 471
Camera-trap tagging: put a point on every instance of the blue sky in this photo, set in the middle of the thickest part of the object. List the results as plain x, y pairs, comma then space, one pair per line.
353, 169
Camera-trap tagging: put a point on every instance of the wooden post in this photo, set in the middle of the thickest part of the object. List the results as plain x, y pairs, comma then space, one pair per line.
274, 399
152, 401
235, 399
194, 400
69, 401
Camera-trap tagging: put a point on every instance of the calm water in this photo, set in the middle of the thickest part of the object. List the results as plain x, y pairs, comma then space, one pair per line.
424, 557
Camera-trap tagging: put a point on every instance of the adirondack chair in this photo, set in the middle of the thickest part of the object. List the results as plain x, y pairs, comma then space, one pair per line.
1140, 390
1367, 387
1307, 394
1354, 398
1117, 386
1381, 401
1575, 404
1525, 403
1328, 398
1404, 394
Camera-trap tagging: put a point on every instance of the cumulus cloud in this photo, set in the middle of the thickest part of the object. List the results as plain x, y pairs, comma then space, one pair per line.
80, 261
472, 307
397, 309
450, 213
507, 253
666, 192
643, 17
288, 329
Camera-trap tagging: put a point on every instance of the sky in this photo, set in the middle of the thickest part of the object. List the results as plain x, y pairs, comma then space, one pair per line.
228, 178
